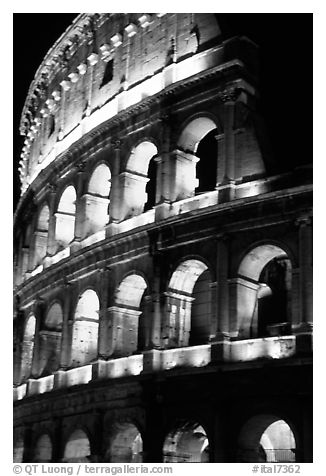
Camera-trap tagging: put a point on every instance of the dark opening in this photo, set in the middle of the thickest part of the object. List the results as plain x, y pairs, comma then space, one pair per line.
273, 305
108, 73
151, 186
51, 124
206, 169
200, 311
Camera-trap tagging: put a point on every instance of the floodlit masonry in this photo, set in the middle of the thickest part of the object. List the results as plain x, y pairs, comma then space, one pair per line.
163, 276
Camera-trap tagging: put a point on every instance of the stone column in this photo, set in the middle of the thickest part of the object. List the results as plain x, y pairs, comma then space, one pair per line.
222, 270
80, 203
67, 292
104, 321
51, 245
38, 310
221, 334
115, 195
221, 159
305, 264
228, 155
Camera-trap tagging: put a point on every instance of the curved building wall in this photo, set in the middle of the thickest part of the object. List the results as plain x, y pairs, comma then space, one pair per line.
150, 243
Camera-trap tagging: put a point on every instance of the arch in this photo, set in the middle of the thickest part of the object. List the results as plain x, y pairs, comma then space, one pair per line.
43, 449
138, 182
67, 202
77, 449
129, 315
126, 445
131, 290
85, 329
140, 157
185, 276
195, 173
96, 201
187, 443
194, 132
100, 181
28, 347
50, 340
65, 217
255, 260
54, 317
264, 292
266, 437
188, 305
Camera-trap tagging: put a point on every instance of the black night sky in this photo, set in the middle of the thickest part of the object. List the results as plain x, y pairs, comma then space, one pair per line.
285, 42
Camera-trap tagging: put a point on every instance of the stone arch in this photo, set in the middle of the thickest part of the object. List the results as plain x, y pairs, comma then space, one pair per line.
50, 339
188, 305
127, 313
126, 444
41, 235
96, 200
43, 449
65, 217
196, 173
266, 437
186, 443
194, 131
138, 188
85, 329
77, 448
264, 292
28, 347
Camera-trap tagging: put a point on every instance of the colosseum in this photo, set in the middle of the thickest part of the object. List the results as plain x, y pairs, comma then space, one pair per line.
162, 273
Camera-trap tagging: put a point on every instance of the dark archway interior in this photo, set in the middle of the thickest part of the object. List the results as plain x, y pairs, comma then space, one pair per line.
206, 169
151, 185
273, 305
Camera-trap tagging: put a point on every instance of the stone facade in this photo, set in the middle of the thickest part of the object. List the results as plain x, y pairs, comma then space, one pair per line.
163, 278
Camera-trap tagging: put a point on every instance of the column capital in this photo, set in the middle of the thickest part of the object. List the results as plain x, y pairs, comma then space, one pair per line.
304, 220
229, 95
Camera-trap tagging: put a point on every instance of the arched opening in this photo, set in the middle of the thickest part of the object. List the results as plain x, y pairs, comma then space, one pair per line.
96, 201
43, 450
196, 160
206, 169
41, 235
129, 316
77, 449
138, 182
85, 329
50, 340
188, 305
27, 348
267, 438
150, 190
264, 292
65, 217
126, 444
188, 443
